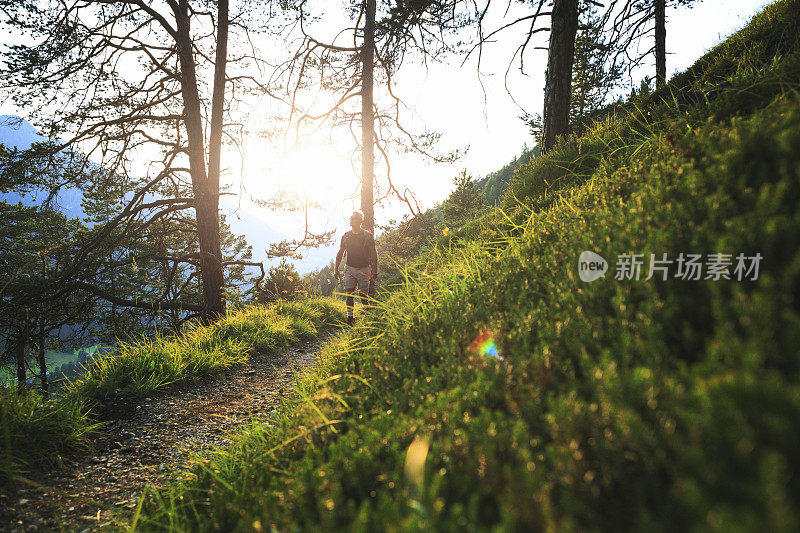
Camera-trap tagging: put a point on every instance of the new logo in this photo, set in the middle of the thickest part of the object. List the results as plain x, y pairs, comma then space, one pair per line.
591, 266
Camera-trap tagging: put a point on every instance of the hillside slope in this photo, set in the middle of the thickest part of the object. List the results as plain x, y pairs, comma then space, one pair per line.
620, 404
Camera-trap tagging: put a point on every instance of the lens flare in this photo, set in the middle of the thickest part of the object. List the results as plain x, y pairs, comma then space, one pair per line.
484, 345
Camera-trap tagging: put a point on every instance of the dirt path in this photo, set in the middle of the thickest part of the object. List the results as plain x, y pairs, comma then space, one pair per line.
147, 444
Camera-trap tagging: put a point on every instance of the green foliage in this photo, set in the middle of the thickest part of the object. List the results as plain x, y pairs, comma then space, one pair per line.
620, 405
321, 282
34, 241
282, 283
401, 241
35, 431
594, 74
465, 203
46, 265
495, 184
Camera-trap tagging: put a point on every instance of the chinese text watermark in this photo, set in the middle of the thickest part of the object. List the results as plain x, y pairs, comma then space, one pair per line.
684, 266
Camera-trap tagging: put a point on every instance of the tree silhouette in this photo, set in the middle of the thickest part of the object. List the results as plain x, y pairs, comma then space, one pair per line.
124, 84
631, 21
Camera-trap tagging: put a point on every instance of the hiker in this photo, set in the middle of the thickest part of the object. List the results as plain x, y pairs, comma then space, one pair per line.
361, 263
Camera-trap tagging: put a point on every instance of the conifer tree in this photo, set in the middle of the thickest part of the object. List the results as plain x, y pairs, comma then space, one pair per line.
121, 82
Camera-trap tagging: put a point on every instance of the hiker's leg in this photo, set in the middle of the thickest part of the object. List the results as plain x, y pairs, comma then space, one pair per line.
350, 302
350, 285
364, 300
363, 288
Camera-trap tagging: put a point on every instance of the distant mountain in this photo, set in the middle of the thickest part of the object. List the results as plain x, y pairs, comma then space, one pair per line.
17, 133
256, 230
254, 223
316, 258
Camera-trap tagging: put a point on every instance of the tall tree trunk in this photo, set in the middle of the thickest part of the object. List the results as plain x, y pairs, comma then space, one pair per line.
218, 95
205, 188
215, 149
368, 117
42, 361
661, 42
22, 342
558, 79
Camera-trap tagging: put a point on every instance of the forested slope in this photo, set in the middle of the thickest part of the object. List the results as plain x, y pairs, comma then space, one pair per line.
630, 404
494, 185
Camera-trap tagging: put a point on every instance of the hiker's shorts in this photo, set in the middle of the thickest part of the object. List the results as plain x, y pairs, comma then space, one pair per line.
356, 277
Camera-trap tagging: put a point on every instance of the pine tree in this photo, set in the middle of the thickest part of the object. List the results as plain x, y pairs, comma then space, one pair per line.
594, 74
465, 203
64, 73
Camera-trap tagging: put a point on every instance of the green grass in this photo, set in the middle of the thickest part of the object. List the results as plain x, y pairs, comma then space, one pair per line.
621, 405
36, 431
139, 367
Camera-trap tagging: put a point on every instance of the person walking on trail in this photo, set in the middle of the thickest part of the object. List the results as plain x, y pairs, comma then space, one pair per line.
361, 263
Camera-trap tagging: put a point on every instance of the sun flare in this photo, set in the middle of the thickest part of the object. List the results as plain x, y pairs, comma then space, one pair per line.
317, 173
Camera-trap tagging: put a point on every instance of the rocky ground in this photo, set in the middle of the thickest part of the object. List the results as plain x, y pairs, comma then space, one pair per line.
147, 444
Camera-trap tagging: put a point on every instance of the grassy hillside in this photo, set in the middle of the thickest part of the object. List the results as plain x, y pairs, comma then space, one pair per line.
619, 404
35, 431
